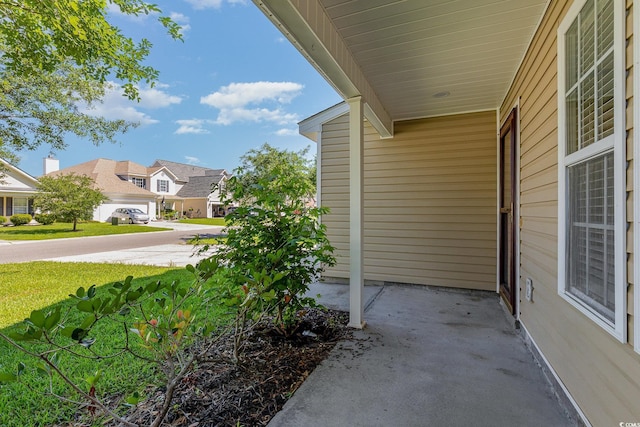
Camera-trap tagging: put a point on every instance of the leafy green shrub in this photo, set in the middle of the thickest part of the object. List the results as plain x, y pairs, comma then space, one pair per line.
166, 319
3, 219
45, 219
20, 219
276, 246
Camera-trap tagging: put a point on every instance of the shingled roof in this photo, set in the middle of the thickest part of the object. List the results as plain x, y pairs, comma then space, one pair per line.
199, 186
184, 172
103, 172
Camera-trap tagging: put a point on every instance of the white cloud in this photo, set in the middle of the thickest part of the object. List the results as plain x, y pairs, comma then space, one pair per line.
234, 101
191, 126
156, 98
287, 132
241, 94
181, 20
115, 106
212, 4
192, 160
205, 4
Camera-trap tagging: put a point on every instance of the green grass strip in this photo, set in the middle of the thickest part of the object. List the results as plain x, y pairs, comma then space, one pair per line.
204, 221
65, 230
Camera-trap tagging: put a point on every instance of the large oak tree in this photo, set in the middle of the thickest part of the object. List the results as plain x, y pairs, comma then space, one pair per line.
56, 58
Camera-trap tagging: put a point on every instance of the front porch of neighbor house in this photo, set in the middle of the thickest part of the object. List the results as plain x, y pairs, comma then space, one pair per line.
489, 145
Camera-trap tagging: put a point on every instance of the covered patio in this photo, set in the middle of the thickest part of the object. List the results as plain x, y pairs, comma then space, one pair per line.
428, 357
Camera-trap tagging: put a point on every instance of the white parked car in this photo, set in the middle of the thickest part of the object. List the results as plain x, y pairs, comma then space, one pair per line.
130, 215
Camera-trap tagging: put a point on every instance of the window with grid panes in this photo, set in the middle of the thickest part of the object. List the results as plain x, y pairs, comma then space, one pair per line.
163, 186
139, 182
589, 146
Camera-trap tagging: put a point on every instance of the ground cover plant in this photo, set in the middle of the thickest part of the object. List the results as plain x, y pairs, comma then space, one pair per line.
31, 401
62, 230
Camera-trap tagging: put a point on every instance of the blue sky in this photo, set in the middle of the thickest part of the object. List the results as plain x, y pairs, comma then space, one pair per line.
232, 85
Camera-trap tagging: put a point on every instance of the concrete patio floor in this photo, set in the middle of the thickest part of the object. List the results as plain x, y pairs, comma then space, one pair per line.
427, 357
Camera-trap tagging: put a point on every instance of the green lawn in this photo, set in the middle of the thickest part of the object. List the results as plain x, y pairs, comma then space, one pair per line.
63, 230
205, 221
45, 285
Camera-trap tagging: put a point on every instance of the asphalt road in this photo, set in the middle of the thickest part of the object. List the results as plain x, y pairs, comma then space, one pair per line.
24, 251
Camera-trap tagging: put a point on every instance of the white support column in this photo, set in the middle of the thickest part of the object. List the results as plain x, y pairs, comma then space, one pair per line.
356, 212
319, 170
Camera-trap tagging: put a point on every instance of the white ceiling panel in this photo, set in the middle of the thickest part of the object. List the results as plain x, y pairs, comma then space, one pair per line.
410, 50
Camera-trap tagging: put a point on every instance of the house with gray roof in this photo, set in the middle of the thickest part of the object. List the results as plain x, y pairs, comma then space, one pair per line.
186, 189
196, 189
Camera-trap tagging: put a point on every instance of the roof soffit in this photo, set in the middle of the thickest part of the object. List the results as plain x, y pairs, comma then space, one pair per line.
409, 51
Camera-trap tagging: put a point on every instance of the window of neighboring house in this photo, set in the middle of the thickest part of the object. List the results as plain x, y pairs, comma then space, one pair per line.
20, 205
163, 186
591, 227
140, 182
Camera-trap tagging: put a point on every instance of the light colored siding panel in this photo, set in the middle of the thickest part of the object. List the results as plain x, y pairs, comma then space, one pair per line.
430, 209
433, 175
602, 374
335, 191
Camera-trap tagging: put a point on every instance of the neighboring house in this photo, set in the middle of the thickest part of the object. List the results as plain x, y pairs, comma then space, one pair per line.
490, 145
16, 190
123, 182
184, 188
196, 189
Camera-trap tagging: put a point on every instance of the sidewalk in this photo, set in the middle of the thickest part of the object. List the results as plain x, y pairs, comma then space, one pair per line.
169, 255
161, 255
428, 357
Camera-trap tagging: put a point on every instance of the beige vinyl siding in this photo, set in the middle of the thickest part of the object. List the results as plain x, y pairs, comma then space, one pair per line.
198, 207
602, 374
335, 191
429, 202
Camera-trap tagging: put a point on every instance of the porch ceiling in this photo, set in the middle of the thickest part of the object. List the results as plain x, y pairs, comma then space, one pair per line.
420, 58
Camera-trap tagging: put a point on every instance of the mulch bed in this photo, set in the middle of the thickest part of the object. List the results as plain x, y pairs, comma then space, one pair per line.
221, 393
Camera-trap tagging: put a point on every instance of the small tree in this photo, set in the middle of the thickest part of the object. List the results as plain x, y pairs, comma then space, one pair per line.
69, 197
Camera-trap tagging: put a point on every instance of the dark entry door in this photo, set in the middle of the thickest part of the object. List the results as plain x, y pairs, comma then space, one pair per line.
508, 198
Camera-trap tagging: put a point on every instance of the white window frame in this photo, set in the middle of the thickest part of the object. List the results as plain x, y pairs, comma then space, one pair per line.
617, 142
636, 177
161, 183
20, 208
143, 181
